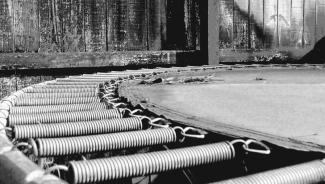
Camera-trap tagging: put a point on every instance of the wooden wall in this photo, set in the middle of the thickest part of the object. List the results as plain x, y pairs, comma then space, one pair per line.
18, 25
98, 25
271, 24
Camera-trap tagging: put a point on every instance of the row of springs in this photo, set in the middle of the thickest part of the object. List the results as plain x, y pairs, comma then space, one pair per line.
73, 116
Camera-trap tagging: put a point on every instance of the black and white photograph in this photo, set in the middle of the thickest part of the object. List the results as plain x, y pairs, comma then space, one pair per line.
162, 91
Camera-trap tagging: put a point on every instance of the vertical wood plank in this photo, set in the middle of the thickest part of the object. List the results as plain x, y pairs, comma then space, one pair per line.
284, 23
45, 26
320, 31
309, 23
271, 21
163, 24
241, 24
191, 22
257, 24
213, 32
296, 26
154, 24
120, 24
137, 24
13, 26
110, 25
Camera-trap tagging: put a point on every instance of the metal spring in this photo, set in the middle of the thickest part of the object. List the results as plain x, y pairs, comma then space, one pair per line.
84, 80
73, 83
97, 77
105, 142
60, 90
76, 128
20, 119
148, 163
57, 108
68, 86
306, 173
55, 101
58, 95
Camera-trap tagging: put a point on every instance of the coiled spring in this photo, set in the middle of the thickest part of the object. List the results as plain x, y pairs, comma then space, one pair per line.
55, 101
306, 173
58, 95
19, 119
54, 85
59, 90
148, 163
84, 80
105, 142
73, 84
57, 108
76, 128
96, 77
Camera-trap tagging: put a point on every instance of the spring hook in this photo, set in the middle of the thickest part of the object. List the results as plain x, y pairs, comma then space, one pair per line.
114, 99
105, 95
158, 122
110, 86
57, 168
264, 151
184, 132
193, 133
248, 143
128, 112
113, 105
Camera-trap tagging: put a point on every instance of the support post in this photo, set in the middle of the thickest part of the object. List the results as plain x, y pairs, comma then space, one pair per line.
210, 22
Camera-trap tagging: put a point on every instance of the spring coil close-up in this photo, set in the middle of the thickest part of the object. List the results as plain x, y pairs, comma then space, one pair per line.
85, 80
19, 119
306, 173
54, 85
76, 128
98, 77
104, 142
91, 84
55, 101
59, 95
57, 108
107, 169
59, 90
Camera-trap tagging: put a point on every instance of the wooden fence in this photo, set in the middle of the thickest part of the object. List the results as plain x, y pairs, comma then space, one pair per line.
264, 24
98, 25
109, 25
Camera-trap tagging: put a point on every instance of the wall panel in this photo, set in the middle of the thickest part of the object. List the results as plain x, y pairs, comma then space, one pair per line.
240, 24
137, 32
310, 23
226, 24
320, 19
284, 23
257, 23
